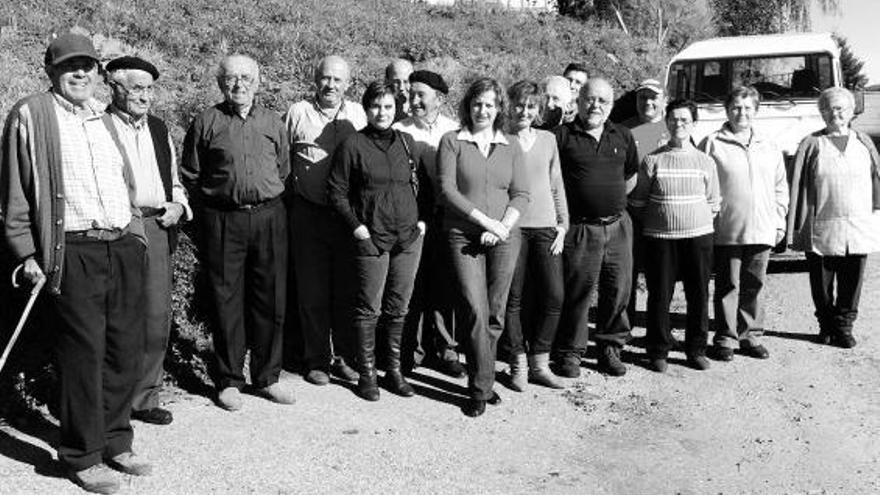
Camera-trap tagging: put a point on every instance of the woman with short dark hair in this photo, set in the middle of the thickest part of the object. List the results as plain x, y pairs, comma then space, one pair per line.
754, 192
677, 198
543, 226
483, 184
376, 185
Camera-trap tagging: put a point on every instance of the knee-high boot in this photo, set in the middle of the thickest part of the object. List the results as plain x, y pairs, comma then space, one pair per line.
367, 387
396, 383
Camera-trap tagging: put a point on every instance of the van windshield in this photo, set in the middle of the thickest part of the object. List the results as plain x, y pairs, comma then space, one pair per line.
776, 78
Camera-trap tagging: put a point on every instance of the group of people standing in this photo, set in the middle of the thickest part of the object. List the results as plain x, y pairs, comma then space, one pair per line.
405, 231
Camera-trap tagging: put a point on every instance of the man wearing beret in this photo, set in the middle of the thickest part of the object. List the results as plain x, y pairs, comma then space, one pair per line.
69, 216
163, 203
234, 164
430, 316
323, 245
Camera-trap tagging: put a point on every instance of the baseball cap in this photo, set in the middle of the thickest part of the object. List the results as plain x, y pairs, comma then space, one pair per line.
68, 46
651, 84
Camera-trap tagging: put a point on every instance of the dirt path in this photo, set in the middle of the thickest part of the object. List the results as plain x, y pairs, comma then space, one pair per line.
807, 421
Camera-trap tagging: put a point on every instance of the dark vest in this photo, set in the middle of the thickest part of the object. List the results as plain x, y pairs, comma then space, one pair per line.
162, 148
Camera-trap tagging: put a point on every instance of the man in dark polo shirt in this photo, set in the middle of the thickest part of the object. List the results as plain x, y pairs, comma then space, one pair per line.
235, 161
599, 164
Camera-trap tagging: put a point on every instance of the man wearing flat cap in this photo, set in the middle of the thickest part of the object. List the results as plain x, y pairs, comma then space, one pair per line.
70, 218
162, 201
648, 128
430, 318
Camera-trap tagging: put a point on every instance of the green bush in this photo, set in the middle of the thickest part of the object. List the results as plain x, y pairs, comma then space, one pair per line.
187, 38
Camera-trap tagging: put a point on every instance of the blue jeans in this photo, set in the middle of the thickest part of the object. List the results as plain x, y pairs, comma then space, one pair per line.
543, 272
596, 255
385, 285
484, 274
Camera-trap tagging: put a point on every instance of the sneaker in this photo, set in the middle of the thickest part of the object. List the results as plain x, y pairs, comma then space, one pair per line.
230, 399
341, 370
719, 353
609, 361
278, 394
95, 479
698, 362
130, 463
756, 351
317, 377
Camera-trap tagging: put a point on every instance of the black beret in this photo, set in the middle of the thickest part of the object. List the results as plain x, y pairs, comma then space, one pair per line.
133, 63
432, 79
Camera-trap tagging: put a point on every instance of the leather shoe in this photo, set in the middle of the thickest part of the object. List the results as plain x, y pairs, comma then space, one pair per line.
474, 408
95, 479
130, 463
569, 367
367, 388
494, 399
317, 377
756, 351
719, 353
451, 367
154, 415
341, 370
609, 361
278, 394
397, 384
230, 399
657, 364
698, 362
843, 340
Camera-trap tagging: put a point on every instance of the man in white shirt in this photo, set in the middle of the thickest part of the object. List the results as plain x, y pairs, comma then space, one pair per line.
162, 201
321, 242
430, 317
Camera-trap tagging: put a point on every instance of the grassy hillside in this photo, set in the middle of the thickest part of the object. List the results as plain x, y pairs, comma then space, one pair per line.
187, 38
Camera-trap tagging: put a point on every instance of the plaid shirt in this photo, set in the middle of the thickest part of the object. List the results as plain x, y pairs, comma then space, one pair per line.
95, 193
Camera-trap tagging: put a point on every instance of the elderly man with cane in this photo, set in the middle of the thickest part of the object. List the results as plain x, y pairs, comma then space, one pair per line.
70, 219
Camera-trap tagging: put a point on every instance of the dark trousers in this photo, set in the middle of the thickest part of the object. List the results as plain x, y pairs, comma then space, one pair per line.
665, 259
324, 265
430, 324
740, 271
543, 271
484, 274
836, 314
157, 316
385, 284
247, 269
596, 254
99, 346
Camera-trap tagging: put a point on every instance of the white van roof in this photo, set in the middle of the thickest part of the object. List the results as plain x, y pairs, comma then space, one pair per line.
759, 46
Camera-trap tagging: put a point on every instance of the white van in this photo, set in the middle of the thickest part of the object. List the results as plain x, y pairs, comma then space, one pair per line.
789, 70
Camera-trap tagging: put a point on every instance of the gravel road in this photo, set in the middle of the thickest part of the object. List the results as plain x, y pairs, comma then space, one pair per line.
806, 421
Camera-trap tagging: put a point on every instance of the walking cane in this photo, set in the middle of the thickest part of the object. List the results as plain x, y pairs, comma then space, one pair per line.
35, 291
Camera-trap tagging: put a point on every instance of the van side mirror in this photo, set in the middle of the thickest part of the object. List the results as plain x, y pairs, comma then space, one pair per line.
859, 96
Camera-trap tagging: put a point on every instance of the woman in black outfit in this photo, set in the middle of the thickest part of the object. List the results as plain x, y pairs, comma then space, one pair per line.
375, 185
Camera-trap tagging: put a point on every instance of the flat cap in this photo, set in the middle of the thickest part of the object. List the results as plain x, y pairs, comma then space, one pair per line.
68, 46
128, 62
432, 79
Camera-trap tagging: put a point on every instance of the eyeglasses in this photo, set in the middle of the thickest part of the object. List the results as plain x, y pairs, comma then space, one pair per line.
137, 90
245, 79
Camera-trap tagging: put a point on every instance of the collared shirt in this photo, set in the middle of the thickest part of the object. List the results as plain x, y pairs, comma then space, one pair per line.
95, 192
595, 173
427, 135
314, 135
138, 143
471, 180
233, 161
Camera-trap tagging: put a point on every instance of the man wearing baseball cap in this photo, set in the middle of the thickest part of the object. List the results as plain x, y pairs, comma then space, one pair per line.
649, 130
162, 201
430, 320
70, 219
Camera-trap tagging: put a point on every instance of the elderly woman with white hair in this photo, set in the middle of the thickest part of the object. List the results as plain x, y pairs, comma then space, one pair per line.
834, 201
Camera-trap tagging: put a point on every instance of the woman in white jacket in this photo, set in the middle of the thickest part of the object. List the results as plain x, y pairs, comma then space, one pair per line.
754, 202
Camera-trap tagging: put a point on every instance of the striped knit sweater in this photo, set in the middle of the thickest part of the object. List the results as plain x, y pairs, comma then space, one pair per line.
677, 193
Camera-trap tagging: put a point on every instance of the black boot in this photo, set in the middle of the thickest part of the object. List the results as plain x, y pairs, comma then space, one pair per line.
395, 381
367, 387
